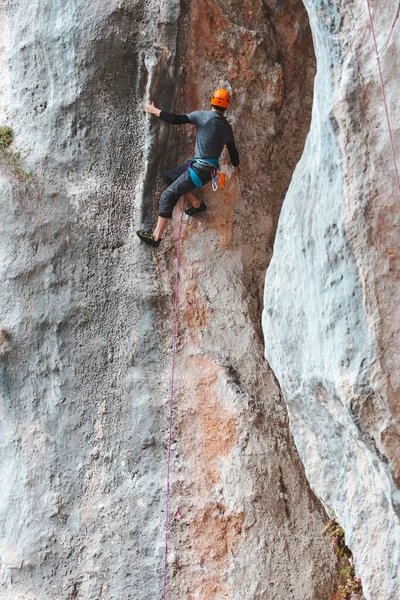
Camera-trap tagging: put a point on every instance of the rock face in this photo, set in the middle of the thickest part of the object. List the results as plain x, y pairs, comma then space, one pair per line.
86, 310
331, 316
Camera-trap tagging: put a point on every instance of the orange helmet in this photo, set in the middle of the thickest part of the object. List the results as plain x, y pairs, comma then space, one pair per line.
220, 98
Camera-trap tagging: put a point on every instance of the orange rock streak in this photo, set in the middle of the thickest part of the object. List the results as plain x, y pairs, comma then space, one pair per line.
208, 532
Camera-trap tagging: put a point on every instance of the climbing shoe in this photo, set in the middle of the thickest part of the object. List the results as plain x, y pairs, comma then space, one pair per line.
148, 237
193, 211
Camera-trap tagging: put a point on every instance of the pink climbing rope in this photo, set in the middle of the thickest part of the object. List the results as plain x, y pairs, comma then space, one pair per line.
384, 97
171, 396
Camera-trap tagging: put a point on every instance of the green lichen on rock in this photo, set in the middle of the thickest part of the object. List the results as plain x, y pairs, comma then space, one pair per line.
351, 587
6, 136
11, 157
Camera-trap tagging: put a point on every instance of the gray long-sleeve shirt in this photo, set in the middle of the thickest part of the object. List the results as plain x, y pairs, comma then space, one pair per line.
213, 132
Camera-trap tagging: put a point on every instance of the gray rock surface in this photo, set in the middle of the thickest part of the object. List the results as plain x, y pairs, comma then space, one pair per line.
86, 310
332, 297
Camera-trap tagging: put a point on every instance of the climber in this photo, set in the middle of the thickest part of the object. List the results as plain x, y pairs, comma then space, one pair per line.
213, 132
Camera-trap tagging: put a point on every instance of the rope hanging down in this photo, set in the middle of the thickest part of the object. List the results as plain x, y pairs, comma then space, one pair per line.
383, 92
171, 395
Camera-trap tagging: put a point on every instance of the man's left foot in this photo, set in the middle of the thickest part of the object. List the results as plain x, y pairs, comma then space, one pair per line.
148, 237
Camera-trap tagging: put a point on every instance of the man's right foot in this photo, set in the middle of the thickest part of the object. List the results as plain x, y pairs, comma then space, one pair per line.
194, 210
148, 238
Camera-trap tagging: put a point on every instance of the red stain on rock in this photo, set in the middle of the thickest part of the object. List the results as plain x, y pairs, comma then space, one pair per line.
216, 536
209, 531
243, 47
210, 589
212, 35
195, 315
387, 284
222, 218
390, 441
210, 432
219, 217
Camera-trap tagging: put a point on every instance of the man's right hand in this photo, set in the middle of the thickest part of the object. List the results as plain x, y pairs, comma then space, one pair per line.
152, 110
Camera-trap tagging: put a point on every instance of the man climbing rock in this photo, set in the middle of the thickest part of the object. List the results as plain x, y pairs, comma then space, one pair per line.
213, 132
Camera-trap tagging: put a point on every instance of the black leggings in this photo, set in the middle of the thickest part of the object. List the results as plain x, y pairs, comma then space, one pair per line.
179, 182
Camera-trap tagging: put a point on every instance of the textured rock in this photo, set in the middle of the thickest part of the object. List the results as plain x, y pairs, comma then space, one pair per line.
87, 311
332, 291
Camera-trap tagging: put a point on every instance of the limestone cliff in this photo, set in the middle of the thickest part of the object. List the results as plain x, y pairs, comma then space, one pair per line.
86, 310
331, 318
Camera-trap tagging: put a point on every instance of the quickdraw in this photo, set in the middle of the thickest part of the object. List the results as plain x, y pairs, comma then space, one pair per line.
218, 180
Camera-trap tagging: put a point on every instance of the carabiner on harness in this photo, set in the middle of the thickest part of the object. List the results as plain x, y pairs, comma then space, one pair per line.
218, 180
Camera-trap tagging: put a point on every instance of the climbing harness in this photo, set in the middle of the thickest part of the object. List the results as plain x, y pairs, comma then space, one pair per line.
168, 525
209, 162
396, 16
217, 177
383, 87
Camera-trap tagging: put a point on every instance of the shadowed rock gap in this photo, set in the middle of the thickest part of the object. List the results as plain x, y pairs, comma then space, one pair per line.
332, 301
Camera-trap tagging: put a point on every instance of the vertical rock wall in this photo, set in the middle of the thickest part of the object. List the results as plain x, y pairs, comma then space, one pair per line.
332, 290
86, 310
